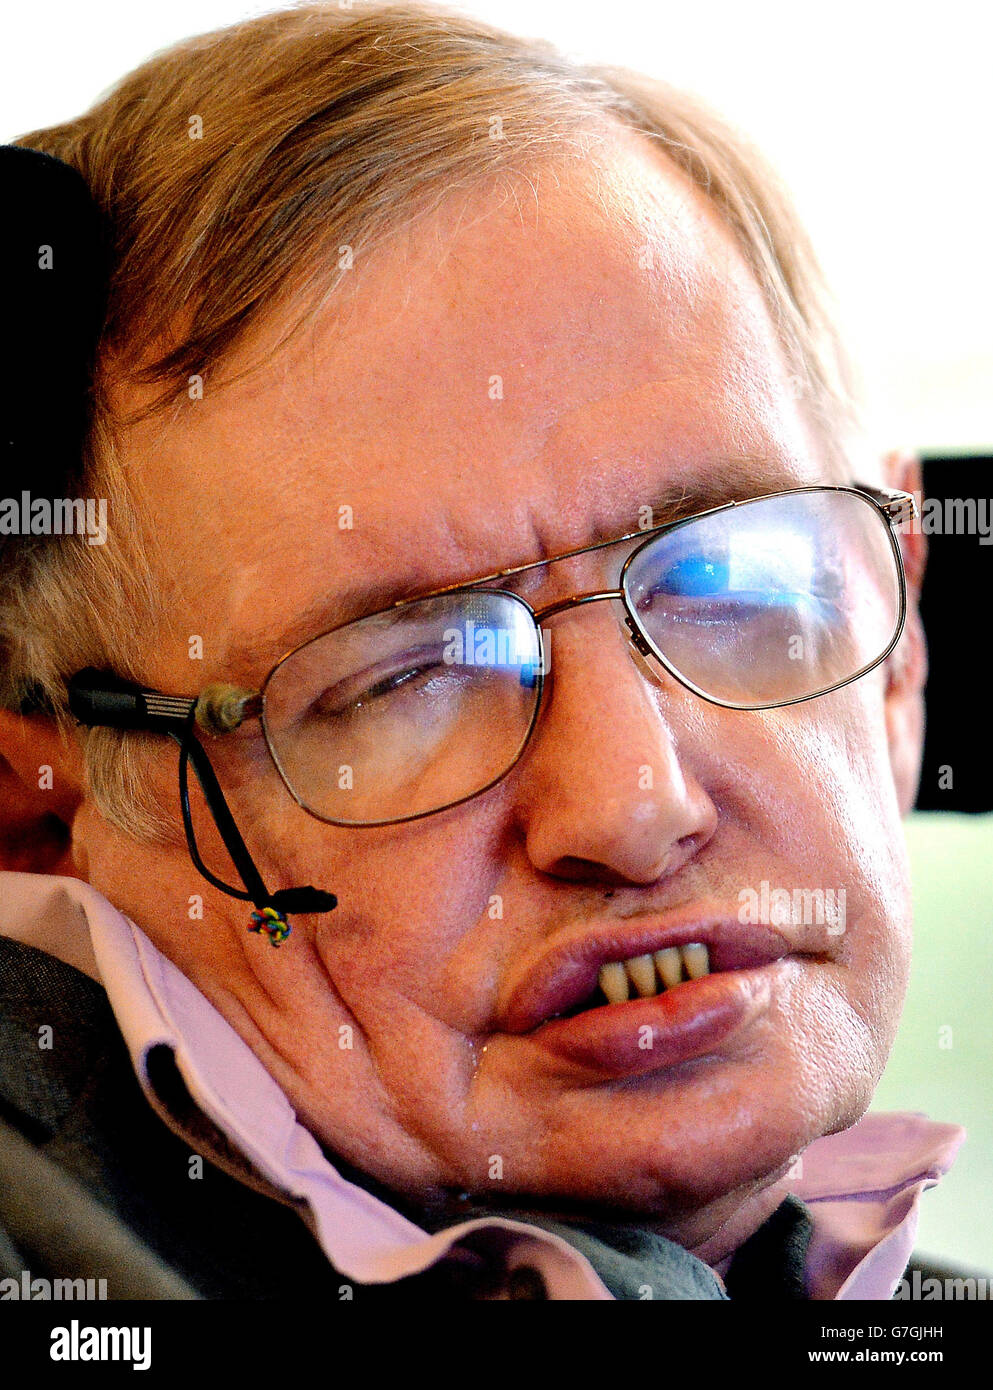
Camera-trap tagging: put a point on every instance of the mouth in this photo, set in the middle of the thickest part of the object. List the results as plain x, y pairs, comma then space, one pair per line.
644, 976
620, 964
625, 998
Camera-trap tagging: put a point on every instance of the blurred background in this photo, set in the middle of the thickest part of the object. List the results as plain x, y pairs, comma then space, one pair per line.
877, 116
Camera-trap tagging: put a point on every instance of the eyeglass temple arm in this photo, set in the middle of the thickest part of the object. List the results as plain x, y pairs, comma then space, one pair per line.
898, 506
97, 698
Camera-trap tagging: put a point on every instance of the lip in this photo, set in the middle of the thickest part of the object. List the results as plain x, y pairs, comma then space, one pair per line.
567, 973
645, 1034
648, 1035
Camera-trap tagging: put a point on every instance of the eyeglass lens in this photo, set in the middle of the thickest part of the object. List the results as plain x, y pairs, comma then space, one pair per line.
408, 711
772, 600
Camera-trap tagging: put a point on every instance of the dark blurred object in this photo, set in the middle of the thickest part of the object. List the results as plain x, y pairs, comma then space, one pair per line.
53, 265
957, 772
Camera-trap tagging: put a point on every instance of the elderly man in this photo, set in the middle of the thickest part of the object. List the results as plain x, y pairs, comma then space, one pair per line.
487, 526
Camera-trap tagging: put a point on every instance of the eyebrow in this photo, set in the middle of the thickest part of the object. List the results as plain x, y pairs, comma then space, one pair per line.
741, 476
731, 479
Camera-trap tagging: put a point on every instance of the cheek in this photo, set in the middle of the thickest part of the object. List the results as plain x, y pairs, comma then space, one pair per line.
843, 829
159, 889
812, 783
806, 800
840, 761
408, 894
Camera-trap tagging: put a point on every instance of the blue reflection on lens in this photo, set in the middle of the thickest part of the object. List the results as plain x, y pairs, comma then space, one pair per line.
694, 576
755, 571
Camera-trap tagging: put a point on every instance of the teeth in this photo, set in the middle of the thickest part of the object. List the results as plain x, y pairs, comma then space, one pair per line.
641, 973
672, 965
696, 960
614, 982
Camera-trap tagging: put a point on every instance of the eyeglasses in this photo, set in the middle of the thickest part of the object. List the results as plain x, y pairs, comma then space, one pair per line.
432, 700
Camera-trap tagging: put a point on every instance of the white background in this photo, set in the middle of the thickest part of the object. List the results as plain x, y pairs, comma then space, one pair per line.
877, 114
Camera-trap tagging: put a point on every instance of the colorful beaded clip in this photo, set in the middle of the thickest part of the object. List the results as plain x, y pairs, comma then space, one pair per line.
272, 923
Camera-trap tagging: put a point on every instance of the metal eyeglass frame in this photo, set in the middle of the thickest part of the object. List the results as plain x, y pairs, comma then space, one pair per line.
99, 698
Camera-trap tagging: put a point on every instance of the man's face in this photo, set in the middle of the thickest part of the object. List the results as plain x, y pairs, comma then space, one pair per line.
634, 354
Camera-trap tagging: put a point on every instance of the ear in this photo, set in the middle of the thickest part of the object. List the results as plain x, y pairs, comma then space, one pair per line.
906, 666
41, 789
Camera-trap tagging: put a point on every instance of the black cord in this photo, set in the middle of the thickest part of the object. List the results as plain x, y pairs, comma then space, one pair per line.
284, 900
184, 742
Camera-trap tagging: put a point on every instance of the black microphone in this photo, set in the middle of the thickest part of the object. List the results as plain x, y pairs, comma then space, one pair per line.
302, 900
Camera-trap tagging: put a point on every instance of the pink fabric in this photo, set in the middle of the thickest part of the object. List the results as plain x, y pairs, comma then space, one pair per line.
862, 1187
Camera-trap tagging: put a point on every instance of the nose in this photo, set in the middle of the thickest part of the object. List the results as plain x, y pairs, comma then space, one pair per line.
602, 792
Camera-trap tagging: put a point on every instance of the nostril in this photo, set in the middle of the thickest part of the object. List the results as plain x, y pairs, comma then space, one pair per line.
684, 849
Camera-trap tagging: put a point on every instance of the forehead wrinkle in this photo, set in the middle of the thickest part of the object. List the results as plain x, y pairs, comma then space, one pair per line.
696, 488
656, 453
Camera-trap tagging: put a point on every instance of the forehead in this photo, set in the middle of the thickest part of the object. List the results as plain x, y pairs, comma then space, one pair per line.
512, 376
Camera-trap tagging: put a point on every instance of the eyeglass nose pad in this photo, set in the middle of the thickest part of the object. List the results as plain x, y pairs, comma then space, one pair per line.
636, 639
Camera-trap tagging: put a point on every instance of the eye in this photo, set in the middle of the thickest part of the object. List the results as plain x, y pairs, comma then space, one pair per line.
379, 686
394, 682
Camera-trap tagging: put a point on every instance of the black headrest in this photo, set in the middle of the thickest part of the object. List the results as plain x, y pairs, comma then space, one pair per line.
53, 260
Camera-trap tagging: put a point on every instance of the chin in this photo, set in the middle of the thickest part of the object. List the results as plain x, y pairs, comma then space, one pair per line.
675, 1147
